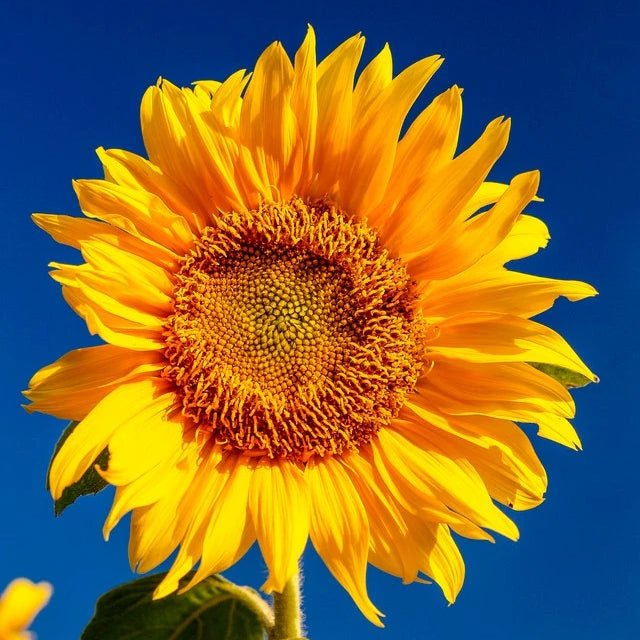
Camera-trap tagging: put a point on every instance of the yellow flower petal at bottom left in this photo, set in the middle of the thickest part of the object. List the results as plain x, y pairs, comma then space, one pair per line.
19, 604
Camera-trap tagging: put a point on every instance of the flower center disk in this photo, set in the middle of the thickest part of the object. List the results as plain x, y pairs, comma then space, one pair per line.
293, 332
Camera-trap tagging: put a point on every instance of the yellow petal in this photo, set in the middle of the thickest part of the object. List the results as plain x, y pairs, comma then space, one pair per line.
465, 243
375, 77
304, 103
142, 444
454, 481
75, 231
527, 235
186, 143
559, 430
155, 529
137, 212
340, 530
193, 514
391, 548
20, 603
267, 124
147, 306
442, 559
210, 87
369, 161
509, 390
150, 280
498, 291
210, 151
429, 143
131, 171
117, 293
202, 95
229, 532
403, 543
226, 103
445, 194
498, 449
159, 479
72, 385
488, 193
135, 402
279, 506
112, 328
410, 492
487, 337
164, 139
335, 98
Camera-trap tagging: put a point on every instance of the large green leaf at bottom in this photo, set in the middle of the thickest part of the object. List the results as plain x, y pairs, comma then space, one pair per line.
209, 611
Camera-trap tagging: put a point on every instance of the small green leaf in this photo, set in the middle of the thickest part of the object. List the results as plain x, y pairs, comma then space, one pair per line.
214, 608
566, 377
90, 483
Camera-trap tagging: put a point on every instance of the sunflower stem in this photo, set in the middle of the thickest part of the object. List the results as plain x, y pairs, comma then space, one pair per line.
287, 611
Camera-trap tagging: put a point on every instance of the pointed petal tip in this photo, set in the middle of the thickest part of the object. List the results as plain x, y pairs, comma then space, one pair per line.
451, 595
309, 39
268, 586
528, 181
55, 491
373, 615
192, 583
368, 609
164, 589
171, 582
274, 583
507, 528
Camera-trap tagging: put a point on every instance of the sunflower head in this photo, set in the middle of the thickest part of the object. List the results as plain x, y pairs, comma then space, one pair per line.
309, 328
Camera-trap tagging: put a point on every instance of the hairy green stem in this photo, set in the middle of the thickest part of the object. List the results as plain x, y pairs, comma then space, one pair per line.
287, 612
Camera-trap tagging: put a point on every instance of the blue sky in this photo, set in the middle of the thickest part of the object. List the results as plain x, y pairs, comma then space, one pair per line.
565, 72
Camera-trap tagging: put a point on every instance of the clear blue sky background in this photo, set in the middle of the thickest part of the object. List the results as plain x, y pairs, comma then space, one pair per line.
567, 72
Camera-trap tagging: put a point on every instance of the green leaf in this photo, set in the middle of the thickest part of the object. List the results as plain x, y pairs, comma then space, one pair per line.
566, 377
90, 483
214, 609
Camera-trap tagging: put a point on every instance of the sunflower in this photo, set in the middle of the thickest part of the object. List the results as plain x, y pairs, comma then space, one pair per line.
19, 604
310, 331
